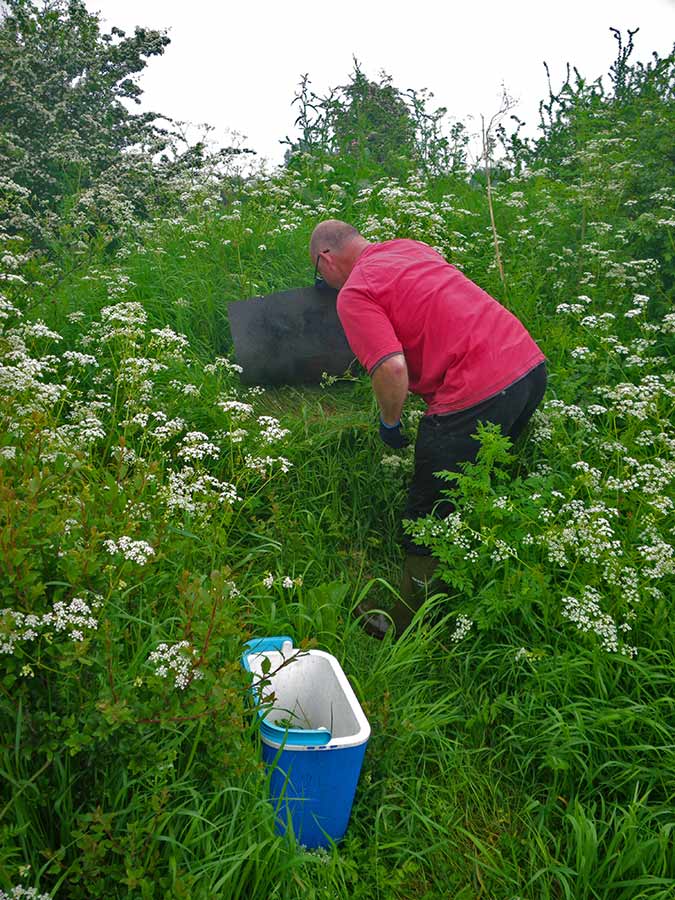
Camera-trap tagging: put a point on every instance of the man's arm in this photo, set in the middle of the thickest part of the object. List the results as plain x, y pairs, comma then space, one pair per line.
390, 384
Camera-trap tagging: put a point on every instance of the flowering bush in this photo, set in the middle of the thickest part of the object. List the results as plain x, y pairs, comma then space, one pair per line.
596, 531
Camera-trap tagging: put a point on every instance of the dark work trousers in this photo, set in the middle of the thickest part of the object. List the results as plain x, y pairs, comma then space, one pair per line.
444, 441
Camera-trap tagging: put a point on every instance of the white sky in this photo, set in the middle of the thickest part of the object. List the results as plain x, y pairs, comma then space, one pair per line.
236, 65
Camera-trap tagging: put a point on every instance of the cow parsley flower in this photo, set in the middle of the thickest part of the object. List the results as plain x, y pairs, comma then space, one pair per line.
587, 614
462, 628
196, 445
271, 429
133, 551
221, 362
23, 893
167, 428
236, 407
197, 493
176, 661
73, 358
169, 342
38, 329
75, 617
265, 464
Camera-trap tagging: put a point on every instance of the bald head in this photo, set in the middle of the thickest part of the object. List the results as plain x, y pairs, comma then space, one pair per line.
332, 234
336, 246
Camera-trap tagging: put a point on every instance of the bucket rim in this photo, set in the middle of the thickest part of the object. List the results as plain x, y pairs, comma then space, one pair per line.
298, 738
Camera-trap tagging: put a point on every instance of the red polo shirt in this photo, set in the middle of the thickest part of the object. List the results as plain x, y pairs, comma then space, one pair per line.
461, 346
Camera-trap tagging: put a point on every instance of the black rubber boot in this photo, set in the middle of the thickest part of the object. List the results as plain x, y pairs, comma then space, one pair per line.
416, 581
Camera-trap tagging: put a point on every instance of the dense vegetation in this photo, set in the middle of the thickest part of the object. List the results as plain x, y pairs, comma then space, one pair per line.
155, 513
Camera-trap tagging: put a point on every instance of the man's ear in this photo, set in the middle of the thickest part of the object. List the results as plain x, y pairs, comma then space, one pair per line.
328, 261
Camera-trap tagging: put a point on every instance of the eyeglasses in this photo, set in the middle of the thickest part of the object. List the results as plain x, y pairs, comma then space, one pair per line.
319, 282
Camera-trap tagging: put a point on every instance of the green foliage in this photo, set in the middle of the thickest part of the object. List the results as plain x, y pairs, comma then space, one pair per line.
373, 124
518, 750
62, 84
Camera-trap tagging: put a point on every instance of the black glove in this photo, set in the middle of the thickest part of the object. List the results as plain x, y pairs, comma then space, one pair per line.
393, 436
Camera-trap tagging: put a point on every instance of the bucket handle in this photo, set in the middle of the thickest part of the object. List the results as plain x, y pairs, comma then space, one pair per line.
264, 645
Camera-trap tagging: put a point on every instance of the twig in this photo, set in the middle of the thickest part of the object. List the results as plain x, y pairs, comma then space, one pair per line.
486, 160
506, 104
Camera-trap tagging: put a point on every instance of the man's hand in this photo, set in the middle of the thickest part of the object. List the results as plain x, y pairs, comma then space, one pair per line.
393, 436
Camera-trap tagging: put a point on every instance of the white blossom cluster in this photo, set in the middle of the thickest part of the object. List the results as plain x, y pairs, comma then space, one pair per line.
392, 462
558, 410
586, 613
196, 445
233, 590
38, 329
660, 554
404, 209
451, 529
577, 309
221, 362
588, 475
8, 310
502, 503
76, 617
79, 435
133, 551
271, 430
286, 581
141, 419
74, 358
515, 199
125, 319
650, 479
236, 407
648, 438
580, 532
462, 628
167, 428
637, 400
236, 436
23, 893
256, 390
184, 388
501, 551
21, 377
264, 465
140, 394
168, 342
197, 493
126, 455
134, 369
176, 661
603, 320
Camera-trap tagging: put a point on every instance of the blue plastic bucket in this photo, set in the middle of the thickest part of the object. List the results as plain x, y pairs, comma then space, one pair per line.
314, 736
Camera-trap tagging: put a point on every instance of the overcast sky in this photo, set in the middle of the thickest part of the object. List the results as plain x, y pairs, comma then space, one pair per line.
237, 65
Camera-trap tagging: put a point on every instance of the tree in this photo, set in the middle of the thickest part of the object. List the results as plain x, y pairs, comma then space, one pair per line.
63, 121
371, 119
376, 122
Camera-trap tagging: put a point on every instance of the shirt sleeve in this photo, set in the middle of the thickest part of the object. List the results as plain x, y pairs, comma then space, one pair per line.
369, 332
